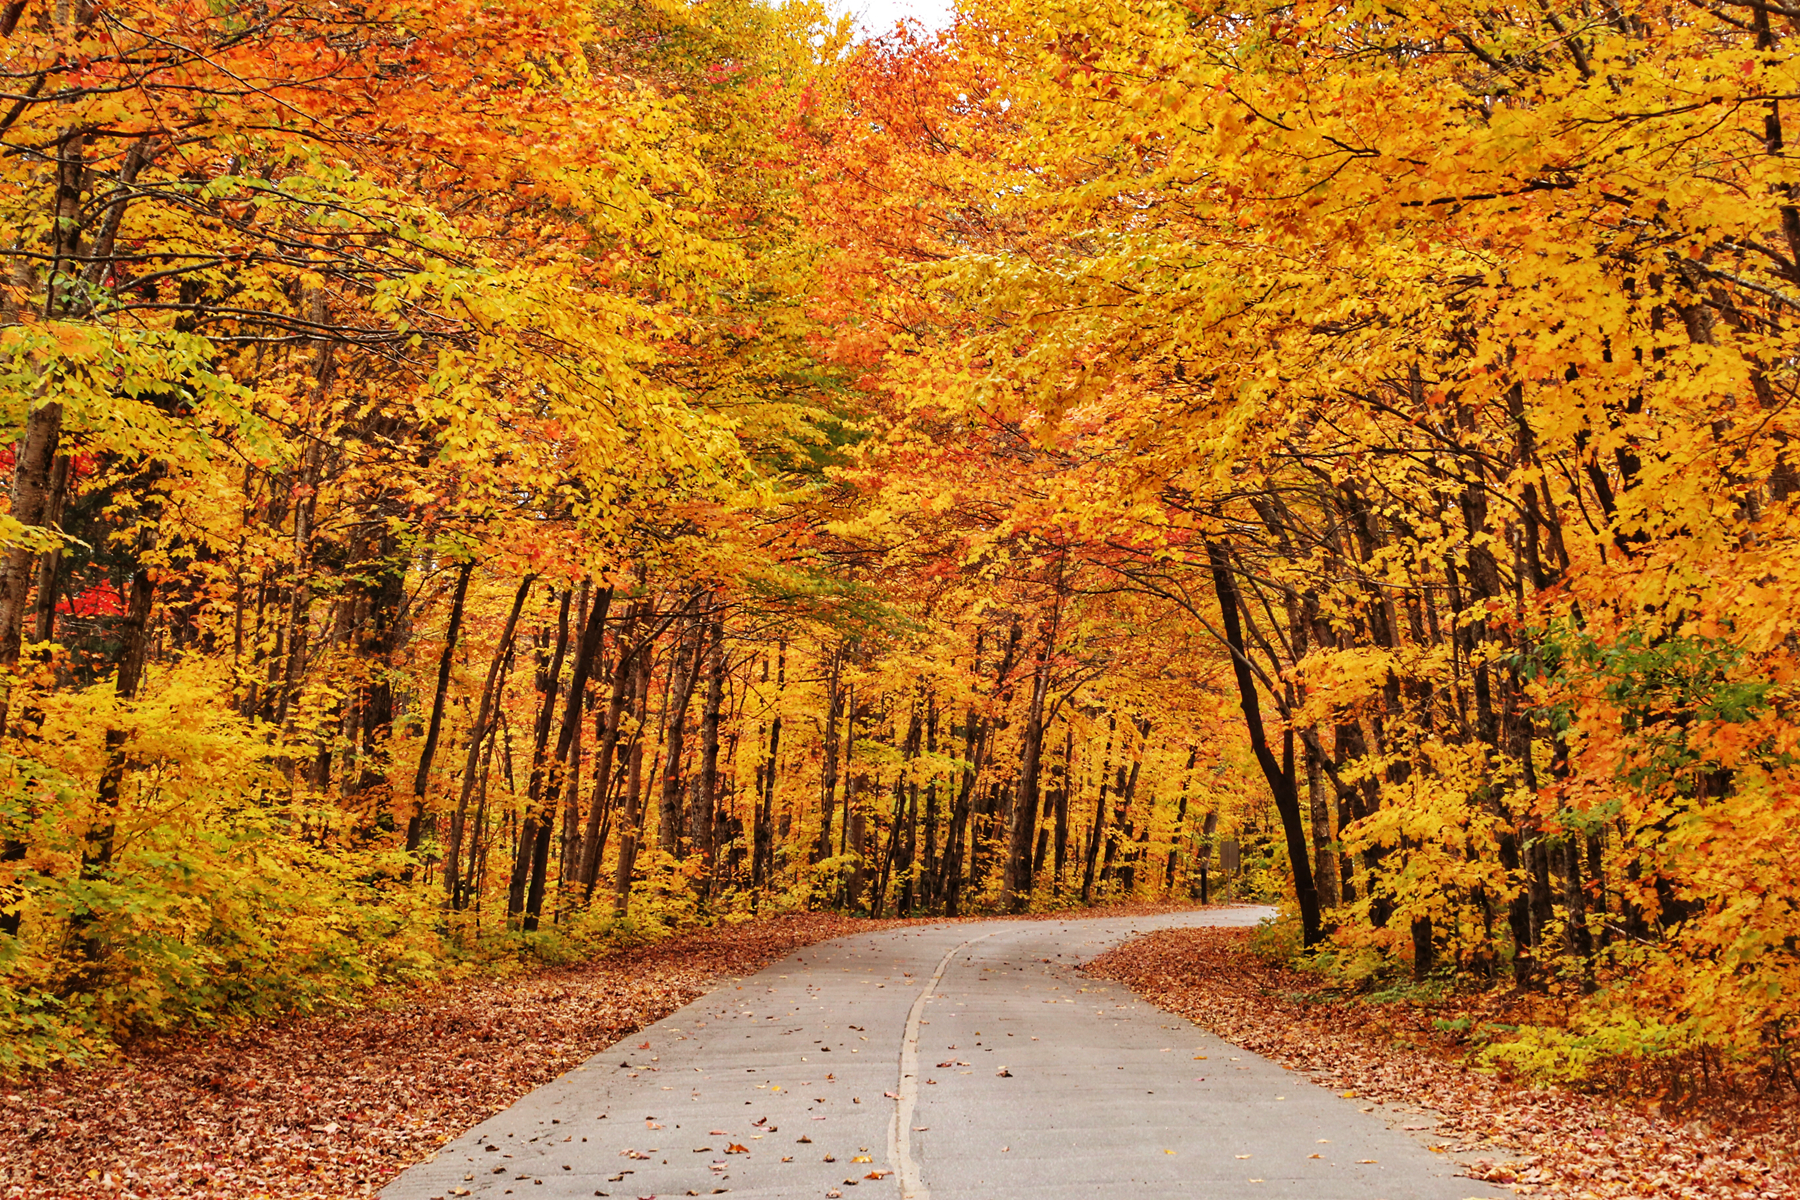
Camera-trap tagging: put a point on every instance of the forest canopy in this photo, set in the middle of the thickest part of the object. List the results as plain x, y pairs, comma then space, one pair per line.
496, 479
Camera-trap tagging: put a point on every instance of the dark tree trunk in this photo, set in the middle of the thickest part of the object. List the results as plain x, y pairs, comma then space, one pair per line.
1279, 774
49, 576
1187, 780
422, 777
706, 795
1023, 817
631, 819
31, 496
1091, 859
592, 635
549, 674
685, 673
828, 768
618, 698
477, 732
134, 633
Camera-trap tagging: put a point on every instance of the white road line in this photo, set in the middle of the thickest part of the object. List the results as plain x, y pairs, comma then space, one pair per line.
900, 1132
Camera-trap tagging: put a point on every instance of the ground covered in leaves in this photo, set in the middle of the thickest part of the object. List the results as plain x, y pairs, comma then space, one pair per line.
1546, 1143
334, 1107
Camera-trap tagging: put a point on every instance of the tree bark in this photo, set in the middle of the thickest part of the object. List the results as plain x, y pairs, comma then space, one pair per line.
31, 495
549, 675
620, 696
1279, 774
1021, 821
707, 795
477, 732
427, 753
631, 819
682, 690
592, 635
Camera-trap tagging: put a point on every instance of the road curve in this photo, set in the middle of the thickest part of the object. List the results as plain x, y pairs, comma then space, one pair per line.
963, 1061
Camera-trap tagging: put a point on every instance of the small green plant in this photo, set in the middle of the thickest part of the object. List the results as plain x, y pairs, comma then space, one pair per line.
1577, 1057
1278, 939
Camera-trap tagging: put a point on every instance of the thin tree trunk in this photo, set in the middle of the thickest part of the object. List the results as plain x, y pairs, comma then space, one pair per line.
707, 794
549, 676
422, 777
684, 674
618, 698
31, 501
1187, 781
828, 769
592, 634
483, 716
632, 817
50, 565
1022, 817
1094, 836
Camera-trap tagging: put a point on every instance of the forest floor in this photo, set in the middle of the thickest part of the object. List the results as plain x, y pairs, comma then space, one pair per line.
1547, 1143
334, 1106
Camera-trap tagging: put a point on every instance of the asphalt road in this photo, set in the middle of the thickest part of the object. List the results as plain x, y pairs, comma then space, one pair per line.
961, 1062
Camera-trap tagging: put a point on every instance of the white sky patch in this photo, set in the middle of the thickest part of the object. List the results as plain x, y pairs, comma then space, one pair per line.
876, 17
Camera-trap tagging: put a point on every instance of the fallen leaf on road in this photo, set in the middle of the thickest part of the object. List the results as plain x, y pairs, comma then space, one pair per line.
737, 1148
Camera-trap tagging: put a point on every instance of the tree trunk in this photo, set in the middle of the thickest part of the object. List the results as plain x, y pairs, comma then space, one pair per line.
632, 817
1319, 801
1093, 843
828, 768
49, 577
549, 675
706, 797
422, 777
1280, 775
618, 698
31, 500
483, 716
1021, 821
592, 634
1187, 781
684, 674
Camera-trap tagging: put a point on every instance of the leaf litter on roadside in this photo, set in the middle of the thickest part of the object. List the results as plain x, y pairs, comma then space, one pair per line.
1548, 1143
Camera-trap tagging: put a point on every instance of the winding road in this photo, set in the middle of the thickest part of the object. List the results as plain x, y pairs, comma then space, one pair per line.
965, 1061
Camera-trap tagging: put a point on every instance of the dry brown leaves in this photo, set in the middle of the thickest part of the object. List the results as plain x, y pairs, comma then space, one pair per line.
336, 1106
1546, 1143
